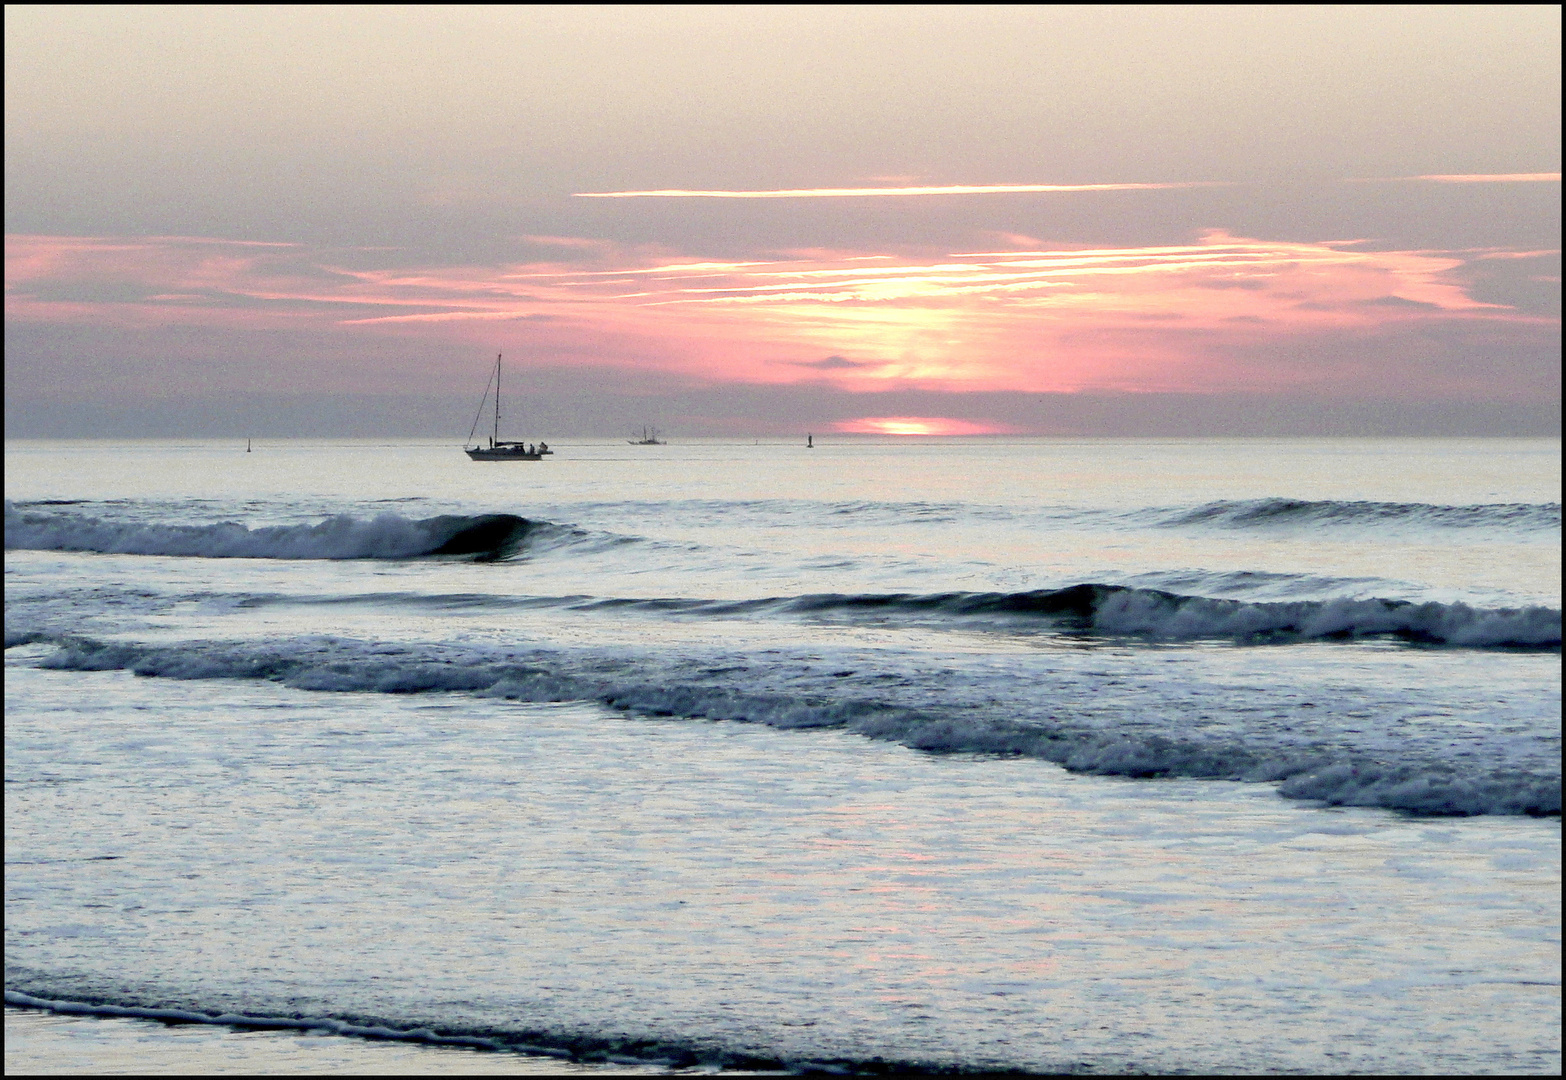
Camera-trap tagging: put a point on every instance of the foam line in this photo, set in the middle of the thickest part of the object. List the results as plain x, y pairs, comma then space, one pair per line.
1260, 513
245, 1020
1164, 616
1341, 775
585, 1047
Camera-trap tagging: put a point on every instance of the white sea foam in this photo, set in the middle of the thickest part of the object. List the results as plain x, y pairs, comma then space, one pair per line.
1425, 790
1186, 618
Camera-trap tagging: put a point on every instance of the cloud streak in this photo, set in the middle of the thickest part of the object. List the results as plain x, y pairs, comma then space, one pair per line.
1467, 178
840, 193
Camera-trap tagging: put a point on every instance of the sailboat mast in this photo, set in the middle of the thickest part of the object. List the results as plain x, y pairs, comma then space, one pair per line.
496, 439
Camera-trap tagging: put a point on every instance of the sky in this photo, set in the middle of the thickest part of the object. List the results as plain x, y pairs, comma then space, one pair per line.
738, 221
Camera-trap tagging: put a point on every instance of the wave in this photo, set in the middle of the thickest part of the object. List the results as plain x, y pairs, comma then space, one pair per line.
386, 536
1164, 616
1171, 616
1087, 609
1254, 513
906, 708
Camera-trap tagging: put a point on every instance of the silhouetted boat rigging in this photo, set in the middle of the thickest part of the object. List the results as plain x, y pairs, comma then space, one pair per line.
500, 449
649, 438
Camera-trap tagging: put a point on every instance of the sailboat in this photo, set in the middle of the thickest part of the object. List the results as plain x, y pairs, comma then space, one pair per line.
649, 438
500, 449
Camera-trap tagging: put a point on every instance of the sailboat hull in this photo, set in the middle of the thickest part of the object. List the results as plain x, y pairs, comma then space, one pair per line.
502, 453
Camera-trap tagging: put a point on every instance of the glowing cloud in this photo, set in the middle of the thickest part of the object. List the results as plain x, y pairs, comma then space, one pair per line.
1208, 316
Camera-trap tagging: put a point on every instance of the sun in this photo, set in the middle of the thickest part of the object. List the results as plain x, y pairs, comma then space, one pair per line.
918, 425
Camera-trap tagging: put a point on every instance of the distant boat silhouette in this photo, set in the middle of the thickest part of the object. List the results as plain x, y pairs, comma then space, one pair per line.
500, 449
649, 438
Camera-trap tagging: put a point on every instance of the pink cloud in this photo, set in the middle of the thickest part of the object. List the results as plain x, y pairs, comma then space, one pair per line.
1203, 316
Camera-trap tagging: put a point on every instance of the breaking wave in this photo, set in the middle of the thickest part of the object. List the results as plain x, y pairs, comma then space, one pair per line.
1252, 513
1171, 616
1089, 609
386, 536
1164, 616
921, 715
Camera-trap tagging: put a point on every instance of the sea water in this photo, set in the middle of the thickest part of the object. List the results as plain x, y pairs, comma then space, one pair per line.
1081, 755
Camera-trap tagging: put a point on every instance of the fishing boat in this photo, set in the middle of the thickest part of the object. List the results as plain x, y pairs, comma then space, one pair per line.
500, 449
649, 438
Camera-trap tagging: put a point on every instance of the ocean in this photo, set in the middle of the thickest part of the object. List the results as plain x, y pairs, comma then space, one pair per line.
964, 754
